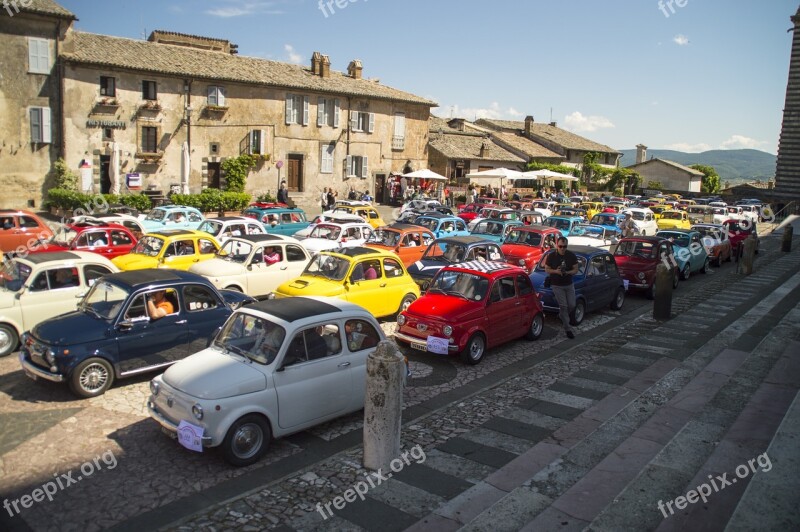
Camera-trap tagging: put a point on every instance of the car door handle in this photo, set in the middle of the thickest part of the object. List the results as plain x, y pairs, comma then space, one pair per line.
284, 267
181, 322
383, 285
344, 364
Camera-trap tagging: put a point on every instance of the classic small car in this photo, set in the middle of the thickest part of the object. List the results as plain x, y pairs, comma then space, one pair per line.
170, 248
715, 240
592, 208
367, 213
524, 245
374, 279
598, 236
108, 240
421, 205
111, 335
609, 220
699, 214
531, 218
672, 219
172, 217
275, 368
719, 214
472, 307
494, 229
598, 283
408, 242
327, 216
643, 219
442, 225
39, 286
637, 258
565, 224
277, 218
544, 206
226, 227
572, 212
658, 210
128, 221
21, 230
452, 250
738, 231
334, 235
493, 213
254, 264
470, 212
690, 254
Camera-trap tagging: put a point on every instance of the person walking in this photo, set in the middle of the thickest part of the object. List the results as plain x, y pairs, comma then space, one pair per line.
283, 194
561, 265
331, 199
323, 199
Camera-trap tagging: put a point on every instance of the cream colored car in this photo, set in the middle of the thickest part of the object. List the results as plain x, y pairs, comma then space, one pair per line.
255, 264
41, 286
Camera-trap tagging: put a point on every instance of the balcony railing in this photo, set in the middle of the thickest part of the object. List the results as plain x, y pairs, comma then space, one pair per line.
398, 143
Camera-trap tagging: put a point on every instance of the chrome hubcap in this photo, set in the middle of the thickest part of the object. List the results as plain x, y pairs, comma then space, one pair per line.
94, 377
247, 440
5, 340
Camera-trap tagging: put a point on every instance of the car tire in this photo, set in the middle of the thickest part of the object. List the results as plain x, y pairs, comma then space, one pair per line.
91, 378
619, 299
9, 339
536, 328
246, 441
686, 273
580, 311
476, 347
676, 280
704, 269
405, 303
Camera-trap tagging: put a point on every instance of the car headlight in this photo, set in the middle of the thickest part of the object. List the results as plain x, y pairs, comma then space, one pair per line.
50, 355
447, 330
640, 275
271, 295
154, 387
521, 262
197, 410
401, 320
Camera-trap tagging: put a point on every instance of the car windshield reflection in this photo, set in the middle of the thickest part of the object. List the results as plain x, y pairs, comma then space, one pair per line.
149, 246
104, 300
252, 337
235, 250
462, 284
385, 238
64, 236
632, 248
451, 252
13, 275
328, 266
156, 214
211, 227
528, 238
325, 231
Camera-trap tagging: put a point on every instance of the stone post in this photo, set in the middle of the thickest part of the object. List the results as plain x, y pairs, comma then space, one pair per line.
662, 306
749, 255
383, 405
786, 242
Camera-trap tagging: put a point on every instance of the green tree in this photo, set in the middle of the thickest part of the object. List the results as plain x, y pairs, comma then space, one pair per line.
64, 176
236, 170
711, 179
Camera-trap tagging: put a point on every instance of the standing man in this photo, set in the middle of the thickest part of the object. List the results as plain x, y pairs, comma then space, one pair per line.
283, 194
628, 227
561, 266
323, 200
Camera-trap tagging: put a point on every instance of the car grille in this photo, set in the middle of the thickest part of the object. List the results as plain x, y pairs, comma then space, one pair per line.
36, 350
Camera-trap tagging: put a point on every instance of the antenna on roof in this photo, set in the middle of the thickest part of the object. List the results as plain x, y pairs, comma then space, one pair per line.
551, 114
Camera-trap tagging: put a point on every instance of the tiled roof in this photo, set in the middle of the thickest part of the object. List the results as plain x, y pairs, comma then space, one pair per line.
171, 60
46, 7
567, 140
679, 166
525, 145
459, 146
436, 124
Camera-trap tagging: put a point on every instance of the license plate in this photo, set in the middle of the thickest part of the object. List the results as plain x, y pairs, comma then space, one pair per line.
420, 347
189, 435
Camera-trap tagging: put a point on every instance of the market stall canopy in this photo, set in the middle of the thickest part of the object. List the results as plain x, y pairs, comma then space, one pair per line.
425, 174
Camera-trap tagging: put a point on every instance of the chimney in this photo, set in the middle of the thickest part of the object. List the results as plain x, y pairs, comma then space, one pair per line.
641, 153
528, 125
484, 147
325, 67
456, 123
354, 69
316, 60
554, 124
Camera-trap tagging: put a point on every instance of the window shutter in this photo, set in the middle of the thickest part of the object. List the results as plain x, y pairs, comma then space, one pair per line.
221, 96
371, 122
353, 120
349, 165
212, 95
399, 125
46, 128
289, 108
364, 172
320, 112
33, 56
36, 124
336, 112
261, 138
323, 159
305, 110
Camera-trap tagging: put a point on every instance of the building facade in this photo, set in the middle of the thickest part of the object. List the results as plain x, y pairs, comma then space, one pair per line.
787, 171
674, 177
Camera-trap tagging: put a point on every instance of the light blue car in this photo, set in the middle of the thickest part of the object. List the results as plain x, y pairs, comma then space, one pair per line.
172, 217
494, 229
443, 225
565, 224
689, 252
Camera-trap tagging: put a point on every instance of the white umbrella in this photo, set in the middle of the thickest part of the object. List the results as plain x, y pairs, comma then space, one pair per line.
548, 174
113, 169
185, 166
425, 174
493, 174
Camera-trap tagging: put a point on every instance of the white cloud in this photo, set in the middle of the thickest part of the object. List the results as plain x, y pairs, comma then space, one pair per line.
494, 112
689, 148
578, 123
737, 142
238, 8
681, 40
293, 57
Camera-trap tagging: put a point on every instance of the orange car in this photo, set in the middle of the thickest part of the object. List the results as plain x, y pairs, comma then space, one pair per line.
408, 242
20, 230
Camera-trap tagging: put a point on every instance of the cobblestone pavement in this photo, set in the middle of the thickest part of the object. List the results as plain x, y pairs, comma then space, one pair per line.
44, 431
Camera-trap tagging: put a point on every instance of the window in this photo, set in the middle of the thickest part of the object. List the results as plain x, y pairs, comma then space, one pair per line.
206, 246
108, 134
149, 139
392, 268
357, 166
91, 272
149, 90
108, 86
296, 109
311, 344
328, 112
399, 137
611, 266
26, 222
120, 238
256, 141
180, 248
216, 96
362, 121
38, 56
524, 285
360, 335
199, 297
597, 267
326, 160
295, 254
41, 131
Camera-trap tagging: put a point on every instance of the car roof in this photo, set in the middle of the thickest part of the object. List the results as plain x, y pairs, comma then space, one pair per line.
261, 238
176, 232
133, 279
297, 308
40, 258
355, 251
485, 267
465, 239
405, 227
539, 228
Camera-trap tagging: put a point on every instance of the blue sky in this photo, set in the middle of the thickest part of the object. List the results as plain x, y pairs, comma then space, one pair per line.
708, 75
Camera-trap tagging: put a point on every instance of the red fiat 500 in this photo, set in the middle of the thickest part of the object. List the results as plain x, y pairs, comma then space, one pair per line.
472, 307
108, 240
524, 245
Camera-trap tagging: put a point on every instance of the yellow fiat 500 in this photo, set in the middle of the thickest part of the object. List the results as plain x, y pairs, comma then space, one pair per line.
367, 212
374, 279
674, 220
172, 248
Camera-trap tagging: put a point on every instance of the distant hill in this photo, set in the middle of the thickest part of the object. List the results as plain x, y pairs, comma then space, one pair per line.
731, 165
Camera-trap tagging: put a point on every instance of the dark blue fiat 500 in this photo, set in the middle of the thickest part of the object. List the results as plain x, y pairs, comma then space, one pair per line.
120, 330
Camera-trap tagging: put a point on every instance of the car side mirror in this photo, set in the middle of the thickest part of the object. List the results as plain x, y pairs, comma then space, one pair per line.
125, 325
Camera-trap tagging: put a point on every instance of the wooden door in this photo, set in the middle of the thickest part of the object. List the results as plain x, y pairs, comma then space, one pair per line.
214, 175
294, 173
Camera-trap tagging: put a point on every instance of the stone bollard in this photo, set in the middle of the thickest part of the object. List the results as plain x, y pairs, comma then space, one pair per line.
383, 405
748, 255
786, 243
662, 306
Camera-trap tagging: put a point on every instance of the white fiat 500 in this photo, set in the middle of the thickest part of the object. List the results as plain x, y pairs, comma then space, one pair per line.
275, 368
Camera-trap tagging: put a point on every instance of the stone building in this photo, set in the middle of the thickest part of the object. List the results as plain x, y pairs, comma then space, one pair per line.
674, 177
787, 172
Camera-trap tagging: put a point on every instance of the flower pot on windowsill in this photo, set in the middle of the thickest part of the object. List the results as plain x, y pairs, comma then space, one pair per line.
150, 105
149, 157
216, 108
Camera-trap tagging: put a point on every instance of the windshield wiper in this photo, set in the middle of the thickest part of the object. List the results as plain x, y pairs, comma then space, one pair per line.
432, 290
91, 310
456, 293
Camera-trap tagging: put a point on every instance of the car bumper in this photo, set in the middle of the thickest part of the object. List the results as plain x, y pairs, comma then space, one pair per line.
169, 427
453, 348
35, 372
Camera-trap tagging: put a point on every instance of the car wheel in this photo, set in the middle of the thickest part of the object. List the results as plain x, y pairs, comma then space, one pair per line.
406, 302
8, 339
619, 299
536, 328
91, 378
704, 269
676, 279
686, 273
580, 311
476, 346
234, 288
246, 441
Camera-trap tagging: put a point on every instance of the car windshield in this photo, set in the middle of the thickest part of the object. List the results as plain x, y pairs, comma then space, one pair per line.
328, 266
711, 232
733, 210
637, 215
677, 239
104, 300
671, 215
488, 228
528, 238
462, 284
635, 248
252, 337
451, 252
156, 214
235, 250
385, 237
718, 210
13, 275
326, 231
734, 227
604, 219
148, 245
589, 231
558, 223
211, 227
430, 223
64, 235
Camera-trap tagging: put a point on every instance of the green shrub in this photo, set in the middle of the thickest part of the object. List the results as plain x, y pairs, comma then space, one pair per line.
64, 177
267, 198
137, 201
236, 170
213, 200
